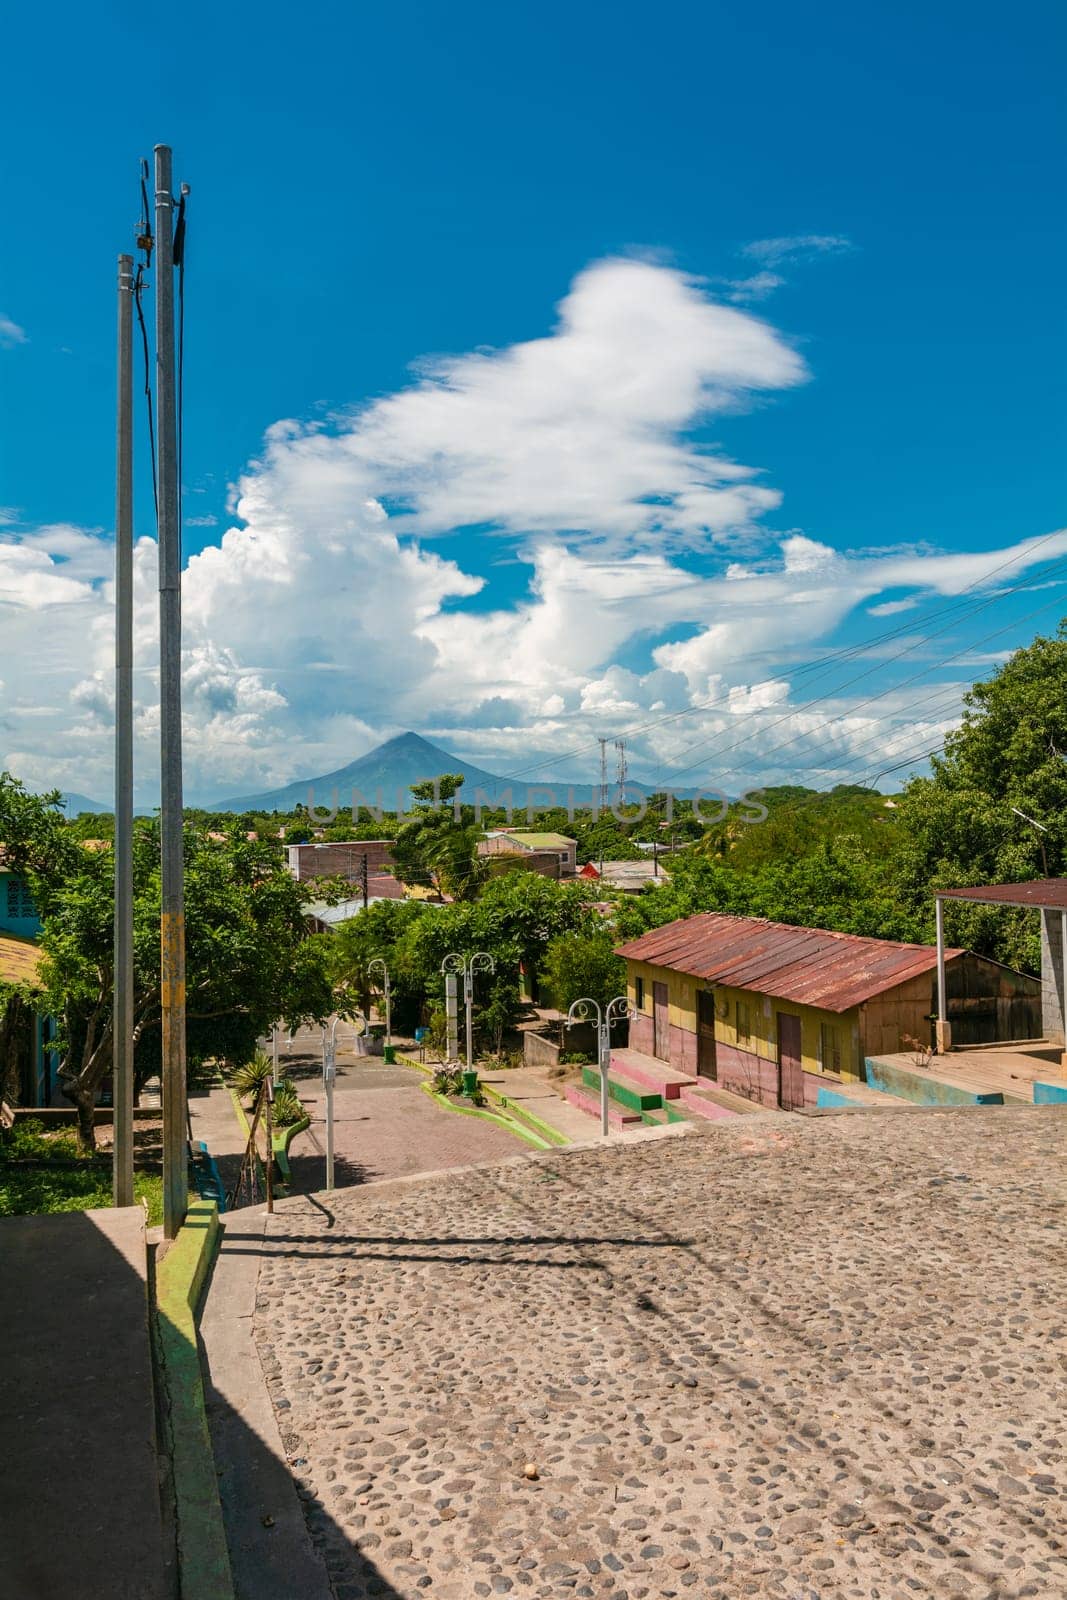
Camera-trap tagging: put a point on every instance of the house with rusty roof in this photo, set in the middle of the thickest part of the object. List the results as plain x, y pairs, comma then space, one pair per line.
775, 1013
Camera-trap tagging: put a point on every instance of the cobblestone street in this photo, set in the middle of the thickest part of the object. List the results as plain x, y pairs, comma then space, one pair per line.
804, 1357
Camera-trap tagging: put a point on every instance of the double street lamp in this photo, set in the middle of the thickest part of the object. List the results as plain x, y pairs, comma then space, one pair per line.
378, 965
585, 1010
329, 1074
452, 966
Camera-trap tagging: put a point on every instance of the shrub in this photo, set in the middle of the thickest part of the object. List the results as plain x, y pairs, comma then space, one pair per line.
288, 1107
249, 1079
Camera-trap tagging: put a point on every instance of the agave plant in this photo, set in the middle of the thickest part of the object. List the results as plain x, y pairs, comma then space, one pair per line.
249, 1079
287, 1107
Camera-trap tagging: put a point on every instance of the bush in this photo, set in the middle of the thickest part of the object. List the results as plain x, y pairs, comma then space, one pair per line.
288, 1107
249, 1079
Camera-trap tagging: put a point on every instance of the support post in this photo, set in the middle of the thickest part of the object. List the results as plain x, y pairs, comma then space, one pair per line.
172, 924
274, 1055
1063, 990
468, 1002
122, 1002
943, 1032
604, 1052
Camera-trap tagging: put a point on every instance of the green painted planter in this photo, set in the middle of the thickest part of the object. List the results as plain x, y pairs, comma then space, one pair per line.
389, 1054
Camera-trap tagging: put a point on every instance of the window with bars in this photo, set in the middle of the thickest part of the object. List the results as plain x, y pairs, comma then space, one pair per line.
832, 1054
19, 900
744, 1023
639, 993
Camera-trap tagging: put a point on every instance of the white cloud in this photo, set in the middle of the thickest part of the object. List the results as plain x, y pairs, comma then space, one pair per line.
10, 333
746, 291
796, 247
329, 616
206, 521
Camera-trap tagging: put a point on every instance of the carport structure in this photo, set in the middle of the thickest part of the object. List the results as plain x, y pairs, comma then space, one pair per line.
1047, 895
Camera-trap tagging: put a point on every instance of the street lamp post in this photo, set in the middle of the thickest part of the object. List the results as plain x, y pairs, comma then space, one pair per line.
480, 961
329, 1074
375, 965
584, 1011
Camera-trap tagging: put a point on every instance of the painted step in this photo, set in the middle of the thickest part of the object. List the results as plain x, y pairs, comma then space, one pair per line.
1050, 1092
701, 1104
658, 1117
709, 1093
627, 1091
590, 1103
677, 1112
854, 1096
647, 1070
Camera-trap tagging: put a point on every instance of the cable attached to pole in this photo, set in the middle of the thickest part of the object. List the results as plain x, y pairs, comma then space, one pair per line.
145, 242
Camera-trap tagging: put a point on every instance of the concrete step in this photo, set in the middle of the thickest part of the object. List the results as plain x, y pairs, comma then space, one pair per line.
701, 1104
648, 1070
658, 1117
590, 1103
847, 1093
706, 1093
627, 1091
677, 1111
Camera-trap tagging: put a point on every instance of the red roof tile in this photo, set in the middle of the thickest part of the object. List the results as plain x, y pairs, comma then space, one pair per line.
1049, 893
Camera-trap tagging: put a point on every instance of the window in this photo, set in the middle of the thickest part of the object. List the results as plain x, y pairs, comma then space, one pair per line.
744, 1025
19, 900
639, 993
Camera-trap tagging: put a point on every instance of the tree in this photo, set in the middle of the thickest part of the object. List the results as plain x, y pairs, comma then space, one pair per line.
959, 827
580, 965
249, 955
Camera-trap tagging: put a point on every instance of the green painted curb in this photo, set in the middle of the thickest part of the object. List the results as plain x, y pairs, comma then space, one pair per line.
551, 1135
487, 1116
280, 1142
203, 1559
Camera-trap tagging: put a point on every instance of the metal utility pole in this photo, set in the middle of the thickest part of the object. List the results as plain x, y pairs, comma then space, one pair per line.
172, 924
584, 1011
451, 1017
122, 1002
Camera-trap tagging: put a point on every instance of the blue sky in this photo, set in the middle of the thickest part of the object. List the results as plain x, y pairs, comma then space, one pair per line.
373, 187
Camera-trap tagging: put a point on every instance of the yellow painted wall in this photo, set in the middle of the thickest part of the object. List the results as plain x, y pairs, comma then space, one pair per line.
762, 1010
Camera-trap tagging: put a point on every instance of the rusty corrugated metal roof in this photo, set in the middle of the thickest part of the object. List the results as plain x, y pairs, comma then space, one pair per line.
20, 959
1047, 893
811, 966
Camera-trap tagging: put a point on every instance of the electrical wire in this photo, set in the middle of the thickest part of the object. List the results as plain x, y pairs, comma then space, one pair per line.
179, 262
138, 287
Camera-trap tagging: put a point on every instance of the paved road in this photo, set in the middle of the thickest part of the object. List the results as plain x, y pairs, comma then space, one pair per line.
385, 1126
813, 1359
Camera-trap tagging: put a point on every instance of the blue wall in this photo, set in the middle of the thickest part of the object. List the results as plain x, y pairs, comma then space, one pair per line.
1050, 1094
17, 911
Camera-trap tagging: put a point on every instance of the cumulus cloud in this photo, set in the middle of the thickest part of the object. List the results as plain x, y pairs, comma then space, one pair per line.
345, 602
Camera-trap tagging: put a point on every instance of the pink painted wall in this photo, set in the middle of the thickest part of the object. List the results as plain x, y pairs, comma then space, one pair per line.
738, 1070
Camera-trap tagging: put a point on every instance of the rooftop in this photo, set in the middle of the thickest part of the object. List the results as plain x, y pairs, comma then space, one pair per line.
537, 841
811, 966
20, 959
1049, 894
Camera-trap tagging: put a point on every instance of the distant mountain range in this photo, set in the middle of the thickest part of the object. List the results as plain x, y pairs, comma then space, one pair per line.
393, 767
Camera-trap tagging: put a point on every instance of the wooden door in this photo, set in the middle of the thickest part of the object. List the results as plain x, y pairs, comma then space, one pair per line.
790, 1064
661, 1022
707, 1064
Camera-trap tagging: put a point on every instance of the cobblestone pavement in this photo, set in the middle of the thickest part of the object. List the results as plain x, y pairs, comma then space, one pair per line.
806, 1359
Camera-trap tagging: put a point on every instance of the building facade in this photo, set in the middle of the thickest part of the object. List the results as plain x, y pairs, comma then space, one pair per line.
771, 1011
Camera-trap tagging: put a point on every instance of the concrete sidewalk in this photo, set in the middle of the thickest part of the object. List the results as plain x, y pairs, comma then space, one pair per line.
79, 1498
271, 1556
529, 1091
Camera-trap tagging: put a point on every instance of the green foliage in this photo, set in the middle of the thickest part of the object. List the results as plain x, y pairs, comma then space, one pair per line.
288, 1107
249, 956
42, 1172
250, 1078
580, 965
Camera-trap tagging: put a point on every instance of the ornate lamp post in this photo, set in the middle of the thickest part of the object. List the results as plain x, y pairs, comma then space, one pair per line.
480, 961
585, 1010
329, 1074
378, 965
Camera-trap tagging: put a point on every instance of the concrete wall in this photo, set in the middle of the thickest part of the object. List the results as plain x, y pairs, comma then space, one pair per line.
1052, 998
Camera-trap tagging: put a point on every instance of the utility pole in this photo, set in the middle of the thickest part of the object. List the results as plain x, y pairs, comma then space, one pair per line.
172, 923
122, 1002
454, 965
363, 879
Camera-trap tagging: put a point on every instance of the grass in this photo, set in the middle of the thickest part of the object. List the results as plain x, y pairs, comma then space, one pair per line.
61, 1179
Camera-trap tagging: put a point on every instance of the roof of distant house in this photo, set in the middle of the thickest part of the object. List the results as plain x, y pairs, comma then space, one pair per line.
20, 959
538, 841
1049, 894
811, 966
